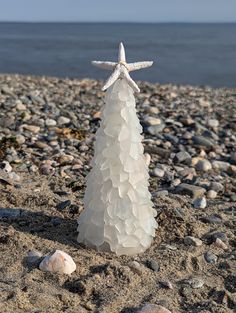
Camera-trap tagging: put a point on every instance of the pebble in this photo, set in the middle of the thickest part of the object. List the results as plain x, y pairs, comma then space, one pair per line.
58, 262
152, 121
136, 267
218, 187
33, 257
200, 203
192, 241
211, 194
147, 158
212, 219
191, 190
166, 284
32, 128
6, 167
50, 122
182, 157
213, 123
203, 165
62, 120
161, 193
202, 141
210, 257
63, 205
233, 157
154, 265
220, 165
220, 244
158, 172
195, 282
152, 308
65, 159
155, 129
20, 139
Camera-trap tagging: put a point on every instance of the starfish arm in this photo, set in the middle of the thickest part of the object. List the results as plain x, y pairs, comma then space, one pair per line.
138, 65
114, 76
130, 81
121, 55
104, 65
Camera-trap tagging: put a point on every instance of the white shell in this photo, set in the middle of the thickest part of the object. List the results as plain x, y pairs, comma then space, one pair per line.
118, 214
58, 262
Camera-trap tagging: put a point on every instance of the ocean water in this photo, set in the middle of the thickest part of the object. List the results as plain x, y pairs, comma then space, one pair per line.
197, 54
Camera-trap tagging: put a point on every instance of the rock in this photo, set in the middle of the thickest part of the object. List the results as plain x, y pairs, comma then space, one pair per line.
232, 170
32, 128
152, 308
220, 244
136, 267
200, 203
20, 139
6, 167
230, 283
46, 169
161, 193
62, 120
152, 121
212, 219
213, 123
147, 158
202, 142
210, 257
34, 257
220, 165
166, 284
183, 157
65, 159
192, 241
233, 157
58, 262
50, 122
191, 190
62, 205
20, 106
203, 165
154, 265
204, 103
8, 213
155, 129
195, 282
158, 172
211, 194
216, 186
218, 235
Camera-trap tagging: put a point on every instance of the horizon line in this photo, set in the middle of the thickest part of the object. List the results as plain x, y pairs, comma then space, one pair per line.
120, 22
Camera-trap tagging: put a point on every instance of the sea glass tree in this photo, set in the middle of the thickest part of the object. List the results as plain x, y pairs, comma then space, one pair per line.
118, 215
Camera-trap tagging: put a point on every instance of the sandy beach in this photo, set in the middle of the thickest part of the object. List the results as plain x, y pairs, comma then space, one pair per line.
47, 129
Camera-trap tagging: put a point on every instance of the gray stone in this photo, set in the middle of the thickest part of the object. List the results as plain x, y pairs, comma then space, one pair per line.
192, 241
200, 203
216, 186
210, 257
202, 141
62, 120
211, 194
195, 282
158, 172
154, 265
62, 205
191, 190
182, 157
155, 129
220, 165
203, 165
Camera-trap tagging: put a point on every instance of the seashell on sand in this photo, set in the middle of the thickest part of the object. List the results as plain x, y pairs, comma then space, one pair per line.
58, 262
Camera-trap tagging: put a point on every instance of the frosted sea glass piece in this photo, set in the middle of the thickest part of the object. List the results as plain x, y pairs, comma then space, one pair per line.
118, 214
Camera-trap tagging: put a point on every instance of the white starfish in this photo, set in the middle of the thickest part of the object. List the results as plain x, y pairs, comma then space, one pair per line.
121, 69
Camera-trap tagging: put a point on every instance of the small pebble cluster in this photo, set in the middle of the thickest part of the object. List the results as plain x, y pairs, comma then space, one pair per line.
47, 132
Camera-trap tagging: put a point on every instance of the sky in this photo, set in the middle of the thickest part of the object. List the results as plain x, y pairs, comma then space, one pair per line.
118, 10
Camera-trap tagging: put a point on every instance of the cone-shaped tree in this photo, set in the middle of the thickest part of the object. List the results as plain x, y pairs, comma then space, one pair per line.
118, 214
